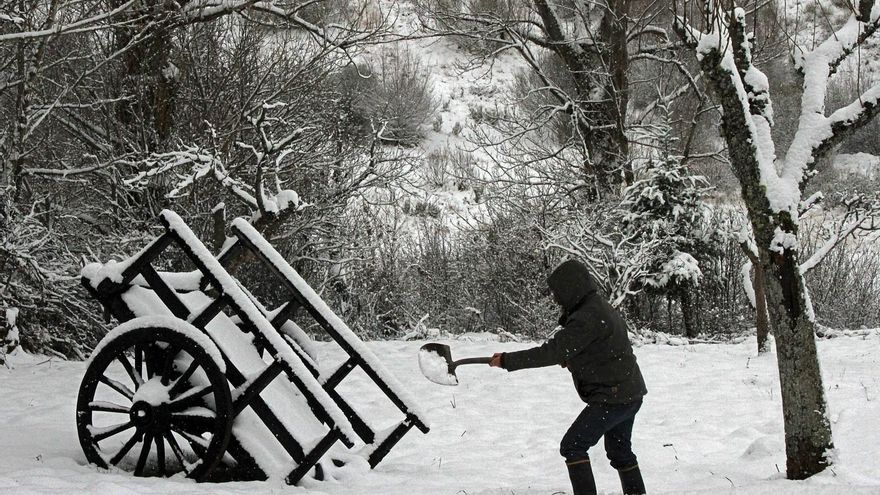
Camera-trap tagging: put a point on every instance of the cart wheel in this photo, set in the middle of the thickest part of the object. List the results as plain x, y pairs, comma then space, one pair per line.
154, 402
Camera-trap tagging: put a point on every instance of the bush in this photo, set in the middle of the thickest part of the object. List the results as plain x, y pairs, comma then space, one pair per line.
391, 93
845, 286
489, 278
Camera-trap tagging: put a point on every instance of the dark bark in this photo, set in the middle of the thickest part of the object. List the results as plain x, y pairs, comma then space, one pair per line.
219, 220
807, 431
147, 115
601, 125
762, 321
688, 314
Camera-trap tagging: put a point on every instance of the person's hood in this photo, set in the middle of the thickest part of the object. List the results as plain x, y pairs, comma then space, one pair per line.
571, 283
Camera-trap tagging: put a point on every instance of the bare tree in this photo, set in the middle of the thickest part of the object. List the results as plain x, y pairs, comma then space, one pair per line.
596, 43
772, 189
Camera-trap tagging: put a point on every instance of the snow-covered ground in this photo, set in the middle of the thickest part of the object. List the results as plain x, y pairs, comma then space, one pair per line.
712, 423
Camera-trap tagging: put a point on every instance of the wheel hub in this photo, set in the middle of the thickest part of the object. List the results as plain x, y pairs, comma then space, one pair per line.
149, 417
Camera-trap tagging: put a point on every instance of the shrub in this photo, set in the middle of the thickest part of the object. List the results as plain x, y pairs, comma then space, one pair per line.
845, 286
396, 96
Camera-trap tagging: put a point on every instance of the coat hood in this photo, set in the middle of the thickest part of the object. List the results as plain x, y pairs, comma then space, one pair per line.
571, 283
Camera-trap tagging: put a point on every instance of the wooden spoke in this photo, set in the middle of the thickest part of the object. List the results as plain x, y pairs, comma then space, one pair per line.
168, 364
145, 453
125, 448
196, 443
191, 397
160, 454
139, 361
194, 424
135, 377
183, 379
117, 386
175, 448
103, 406
153, 359
109, 431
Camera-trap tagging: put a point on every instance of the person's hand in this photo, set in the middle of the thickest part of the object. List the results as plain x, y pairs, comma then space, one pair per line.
496, 360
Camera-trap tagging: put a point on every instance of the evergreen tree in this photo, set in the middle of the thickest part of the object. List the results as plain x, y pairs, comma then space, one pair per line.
665, 204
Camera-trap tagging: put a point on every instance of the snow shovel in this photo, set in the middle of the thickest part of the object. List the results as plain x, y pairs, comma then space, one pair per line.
435, 361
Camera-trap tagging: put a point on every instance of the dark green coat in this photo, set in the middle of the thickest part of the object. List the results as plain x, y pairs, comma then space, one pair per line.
593, 342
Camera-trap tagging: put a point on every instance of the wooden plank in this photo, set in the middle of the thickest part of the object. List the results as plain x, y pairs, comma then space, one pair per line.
150, 253
319, 318
390, 441
285, 313
360, 427
262, 410
257, 386
165, 293
313, 457
341, 373
208, 314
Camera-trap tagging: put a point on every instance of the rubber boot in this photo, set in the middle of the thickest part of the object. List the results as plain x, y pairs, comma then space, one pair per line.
581, 475
631, 480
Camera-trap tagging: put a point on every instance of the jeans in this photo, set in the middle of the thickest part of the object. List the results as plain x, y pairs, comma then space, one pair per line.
614, 422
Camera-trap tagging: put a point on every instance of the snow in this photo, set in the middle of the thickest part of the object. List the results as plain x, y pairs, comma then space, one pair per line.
748, 287
711, 423
435, 368
112, 270
858, 164
12, 326
681, 268
783, 240
153, 392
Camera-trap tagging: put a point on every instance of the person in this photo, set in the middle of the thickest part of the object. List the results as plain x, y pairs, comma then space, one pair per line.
593, 345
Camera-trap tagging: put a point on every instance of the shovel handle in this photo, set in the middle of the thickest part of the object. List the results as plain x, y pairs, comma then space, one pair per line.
475, 360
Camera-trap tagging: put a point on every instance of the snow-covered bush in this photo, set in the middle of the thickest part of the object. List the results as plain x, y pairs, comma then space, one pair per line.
42, 305
451, 168
665, 206
488, 278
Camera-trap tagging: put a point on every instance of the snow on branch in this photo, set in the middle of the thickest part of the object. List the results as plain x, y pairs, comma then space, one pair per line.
816, 133
747, 114
87, 24
333, 34
724, 52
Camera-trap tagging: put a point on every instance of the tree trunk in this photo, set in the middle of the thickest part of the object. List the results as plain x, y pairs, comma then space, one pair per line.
147, 117
762, 321
807, 430
601, 125
688, 314
614, 29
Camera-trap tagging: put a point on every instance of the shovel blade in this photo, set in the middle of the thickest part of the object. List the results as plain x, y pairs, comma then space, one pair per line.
435, 362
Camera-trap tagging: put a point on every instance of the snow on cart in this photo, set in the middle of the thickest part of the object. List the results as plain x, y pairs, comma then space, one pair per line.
201, 378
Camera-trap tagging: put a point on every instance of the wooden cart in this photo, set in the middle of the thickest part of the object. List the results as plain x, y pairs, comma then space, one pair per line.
200, 377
